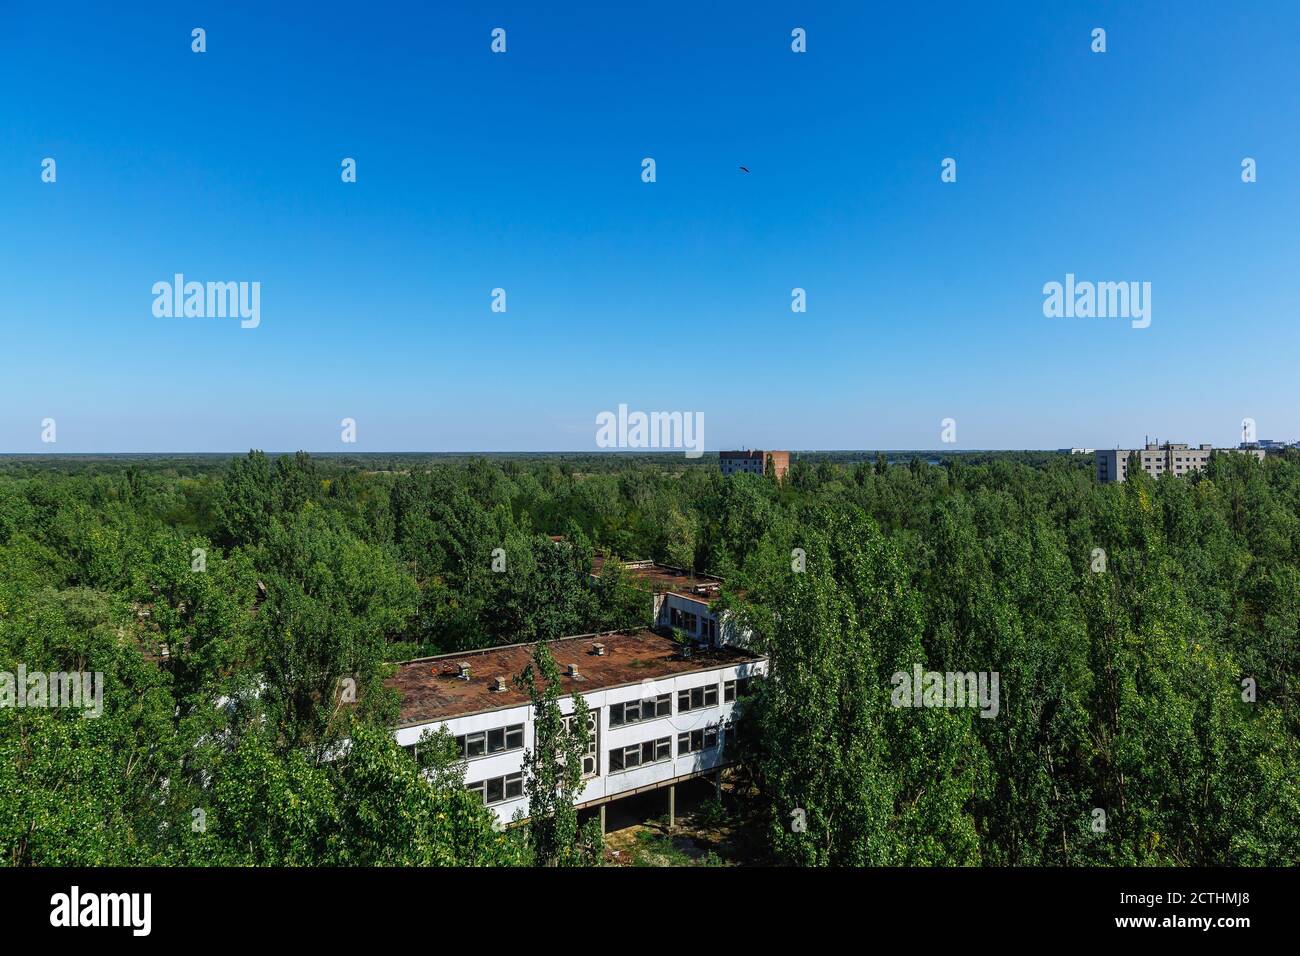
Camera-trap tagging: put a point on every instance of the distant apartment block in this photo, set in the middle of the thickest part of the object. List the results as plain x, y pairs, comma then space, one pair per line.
755, 462
1076, 451
1268, 446
658, 715
680, 599
1169, 458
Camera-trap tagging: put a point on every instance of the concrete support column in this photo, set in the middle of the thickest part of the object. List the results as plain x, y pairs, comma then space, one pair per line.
602, 819
672, 805
717, 783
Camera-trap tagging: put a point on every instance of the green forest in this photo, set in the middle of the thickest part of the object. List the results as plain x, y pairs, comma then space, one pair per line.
1145, 634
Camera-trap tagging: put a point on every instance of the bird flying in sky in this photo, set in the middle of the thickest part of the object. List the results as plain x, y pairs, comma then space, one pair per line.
744, 169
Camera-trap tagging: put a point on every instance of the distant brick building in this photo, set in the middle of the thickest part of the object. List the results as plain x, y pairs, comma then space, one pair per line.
755, 462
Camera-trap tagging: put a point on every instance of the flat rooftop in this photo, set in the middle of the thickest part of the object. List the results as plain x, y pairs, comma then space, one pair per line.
431, 689
661, 577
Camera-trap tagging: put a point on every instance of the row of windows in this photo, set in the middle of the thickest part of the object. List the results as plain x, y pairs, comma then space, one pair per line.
632, 711
697, 697
1159, 465
693, 741
686, 620
657, 751
637, 755
694, 698
511, 786
701, 624
735, 688
499, 789
484, 742
505, 739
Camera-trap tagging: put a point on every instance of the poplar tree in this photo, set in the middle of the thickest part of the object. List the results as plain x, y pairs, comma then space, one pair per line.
553, 767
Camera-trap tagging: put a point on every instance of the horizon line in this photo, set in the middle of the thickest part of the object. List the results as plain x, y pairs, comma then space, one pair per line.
612, 452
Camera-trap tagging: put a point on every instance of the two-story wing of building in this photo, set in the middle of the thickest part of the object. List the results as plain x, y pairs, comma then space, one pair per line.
659, 714
681, 600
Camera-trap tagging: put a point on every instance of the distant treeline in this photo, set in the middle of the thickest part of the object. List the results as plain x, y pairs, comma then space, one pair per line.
584, 462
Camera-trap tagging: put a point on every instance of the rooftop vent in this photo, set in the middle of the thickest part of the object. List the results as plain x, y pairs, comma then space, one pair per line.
573, 671
598, 649
462, 671
499, 685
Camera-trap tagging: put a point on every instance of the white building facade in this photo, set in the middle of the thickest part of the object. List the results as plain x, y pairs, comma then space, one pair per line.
694, 616
683, 600
648, 734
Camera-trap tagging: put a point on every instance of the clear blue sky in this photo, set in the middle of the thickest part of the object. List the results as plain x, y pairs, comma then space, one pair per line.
522, 171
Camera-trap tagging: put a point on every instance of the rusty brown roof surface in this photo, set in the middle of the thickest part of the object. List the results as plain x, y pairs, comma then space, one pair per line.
660, 577
431, 690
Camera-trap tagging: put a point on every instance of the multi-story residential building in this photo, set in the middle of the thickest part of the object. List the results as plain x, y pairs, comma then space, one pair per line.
681, 600
755, 462
1269, 446
1156, 459
659, 715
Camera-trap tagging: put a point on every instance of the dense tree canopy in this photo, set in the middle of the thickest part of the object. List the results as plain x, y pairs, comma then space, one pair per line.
1144, 634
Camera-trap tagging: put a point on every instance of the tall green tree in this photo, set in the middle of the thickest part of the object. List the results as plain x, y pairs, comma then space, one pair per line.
553, 768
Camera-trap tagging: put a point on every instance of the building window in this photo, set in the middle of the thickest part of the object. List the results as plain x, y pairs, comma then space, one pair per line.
499, 789
633, 711
481, 743
637, 755
697, 697
591, 759
733, 689
693, 741
710, 629
690, 622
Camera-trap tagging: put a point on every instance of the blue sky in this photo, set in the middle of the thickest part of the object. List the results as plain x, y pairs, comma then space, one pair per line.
522, 171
